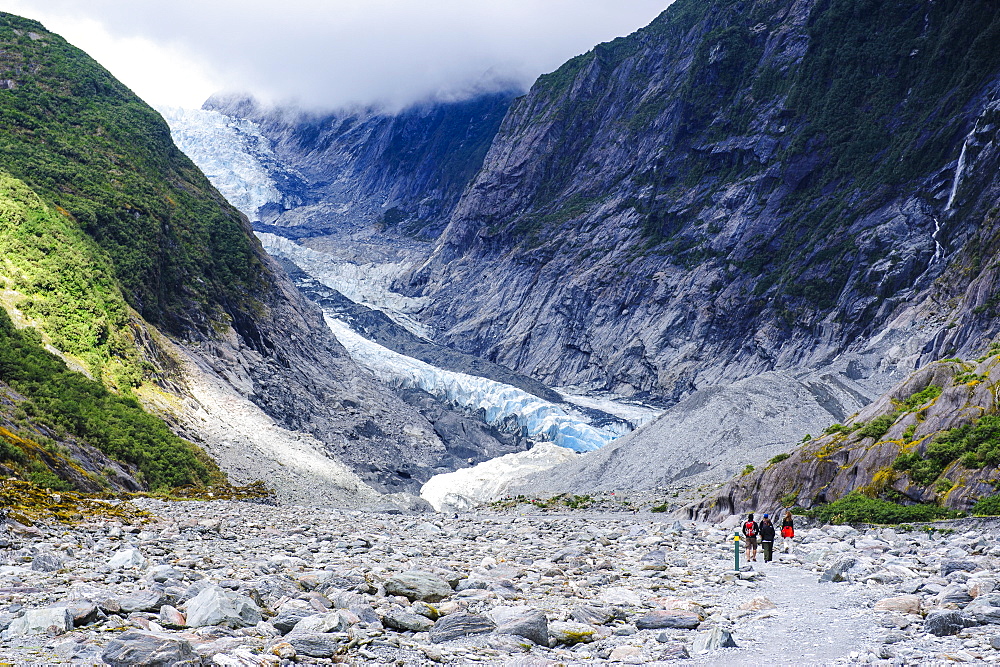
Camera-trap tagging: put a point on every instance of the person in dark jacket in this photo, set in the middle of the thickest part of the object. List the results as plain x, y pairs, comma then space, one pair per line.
750, 531
767, 537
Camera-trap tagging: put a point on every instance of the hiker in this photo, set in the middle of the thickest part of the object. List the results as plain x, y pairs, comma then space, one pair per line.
787, 530
750, 531
767, 537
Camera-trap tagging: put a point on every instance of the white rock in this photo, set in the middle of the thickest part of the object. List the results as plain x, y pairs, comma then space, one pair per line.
127, 559
52, 620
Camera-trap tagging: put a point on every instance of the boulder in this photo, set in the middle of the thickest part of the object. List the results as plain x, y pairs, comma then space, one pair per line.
215, 605
944, 622
51, 620
46, 562
147, 600
522, 621
838, 570
460, 625
619, 595
403, 619
904, 604
668, 618
334, 621
416, 585
171, 617
759, 603
592, 615
137, 647
319, 645
712, 640
286, 620
953, 565
570, 633
127, 559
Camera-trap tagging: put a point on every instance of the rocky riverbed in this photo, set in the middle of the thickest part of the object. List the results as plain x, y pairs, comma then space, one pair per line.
236, 583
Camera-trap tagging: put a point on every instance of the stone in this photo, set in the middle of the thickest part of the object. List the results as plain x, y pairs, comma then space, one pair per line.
953, 564
618, 595
147, 600
673, 651
162, 573
625, 654
522, 621
995, 642
46, 562
321, 645
904, 604
127, 559
668, 618
83, 611
837, 572
171, 617
460, 625
569, 633
943, 622
287, 618
416, 585
591, 615
759, 603
284, 650
137, 647
712, 640
954, 594
215, 605
50, 620
401, 619
334, 621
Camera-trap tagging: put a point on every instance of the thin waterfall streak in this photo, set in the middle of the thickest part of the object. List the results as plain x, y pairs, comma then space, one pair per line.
958, 176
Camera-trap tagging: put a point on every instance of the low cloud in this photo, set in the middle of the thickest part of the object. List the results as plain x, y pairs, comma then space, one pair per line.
332, 53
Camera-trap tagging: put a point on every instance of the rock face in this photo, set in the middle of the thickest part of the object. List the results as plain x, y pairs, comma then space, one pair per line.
884, 448
660, 207
710, 436
404, 170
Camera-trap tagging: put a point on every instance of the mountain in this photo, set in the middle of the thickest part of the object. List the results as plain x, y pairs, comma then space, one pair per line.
136, 273
403, 171
762, 215
739, 187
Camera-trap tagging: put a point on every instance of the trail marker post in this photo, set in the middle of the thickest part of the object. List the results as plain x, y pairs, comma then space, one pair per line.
736, 552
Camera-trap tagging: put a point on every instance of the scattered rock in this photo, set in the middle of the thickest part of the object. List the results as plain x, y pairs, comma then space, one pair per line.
51, 621
712, 640
904, 604
668, 618
943, 622
148, 648
217, 606
460, 625
837, 571
416, 585
570, 633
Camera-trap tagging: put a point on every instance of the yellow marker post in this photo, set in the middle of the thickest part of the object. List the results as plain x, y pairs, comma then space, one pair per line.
736, 551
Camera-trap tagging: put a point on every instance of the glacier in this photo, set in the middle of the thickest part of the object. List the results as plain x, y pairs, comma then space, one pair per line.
537, 418
230, 152
367, 283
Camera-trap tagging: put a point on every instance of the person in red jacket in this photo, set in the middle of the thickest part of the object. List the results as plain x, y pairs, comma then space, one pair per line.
787, 530
750, 531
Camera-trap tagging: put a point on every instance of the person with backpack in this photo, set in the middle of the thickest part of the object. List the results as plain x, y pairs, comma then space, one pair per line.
750, 531
787, 530
767, 537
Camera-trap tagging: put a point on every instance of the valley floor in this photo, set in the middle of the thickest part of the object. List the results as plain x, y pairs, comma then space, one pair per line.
316, 586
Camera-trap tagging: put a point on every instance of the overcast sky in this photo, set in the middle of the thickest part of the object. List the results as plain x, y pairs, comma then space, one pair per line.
329, 53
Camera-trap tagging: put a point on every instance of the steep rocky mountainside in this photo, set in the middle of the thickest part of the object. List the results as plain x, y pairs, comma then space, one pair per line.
135, 271
737, 188
935, 438
403, 172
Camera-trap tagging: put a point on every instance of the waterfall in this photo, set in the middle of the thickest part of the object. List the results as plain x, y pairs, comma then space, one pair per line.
958, 173
938, 248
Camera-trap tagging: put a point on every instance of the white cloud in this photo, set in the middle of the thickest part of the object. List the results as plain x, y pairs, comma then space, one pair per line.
326, 53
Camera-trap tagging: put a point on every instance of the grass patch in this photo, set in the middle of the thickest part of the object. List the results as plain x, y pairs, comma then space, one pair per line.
858, 508
988, 506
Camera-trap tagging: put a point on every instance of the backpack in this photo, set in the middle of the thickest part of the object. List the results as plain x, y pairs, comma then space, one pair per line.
750, 529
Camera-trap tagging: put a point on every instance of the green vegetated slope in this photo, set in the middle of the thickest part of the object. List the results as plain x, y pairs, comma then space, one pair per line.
86, 144
932, 444
102, 220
